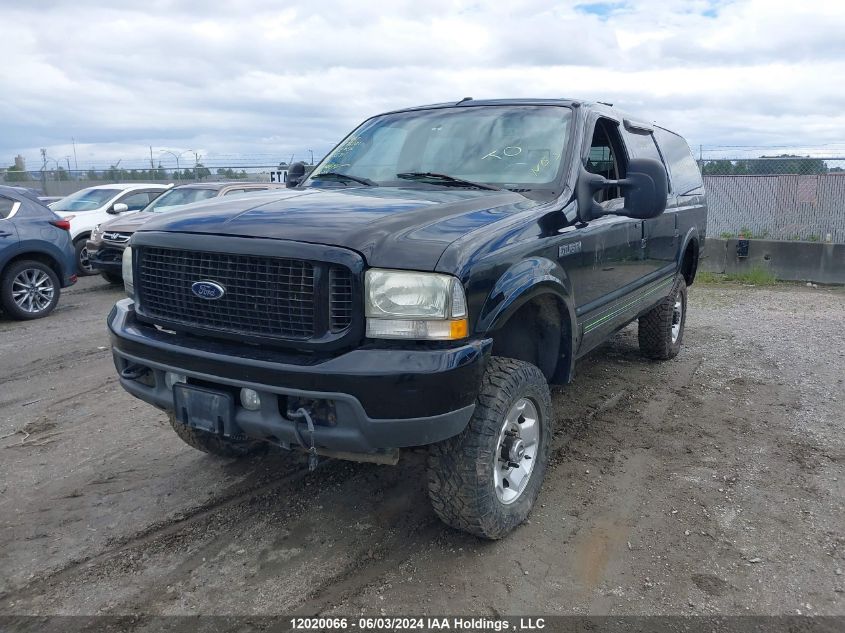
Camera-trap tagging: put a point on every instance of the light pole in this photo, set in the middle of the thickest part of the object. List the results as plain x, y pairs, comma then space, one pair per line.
312, 155
175, 155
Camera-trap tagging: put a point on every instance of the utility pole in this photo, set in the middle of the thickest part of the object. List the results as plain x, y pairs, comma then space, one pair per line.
152, 164
75, 164
44, 170
312, 155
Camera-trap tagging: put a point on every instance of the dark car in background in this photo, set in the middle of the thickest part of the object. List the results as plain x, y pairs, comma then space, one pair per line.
37, 258
107, 241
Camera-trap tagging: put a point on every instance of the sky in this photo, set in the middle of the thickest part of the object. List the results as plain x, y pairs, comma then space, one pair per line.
256, 82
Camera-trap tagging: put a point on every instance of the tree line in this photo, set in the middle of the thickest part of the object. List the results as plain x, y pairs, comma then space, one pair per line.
115, 173
768, 165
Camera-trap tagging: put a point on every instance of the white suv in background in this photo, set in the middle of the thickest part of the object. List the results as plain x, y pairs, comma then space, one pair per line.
87, 208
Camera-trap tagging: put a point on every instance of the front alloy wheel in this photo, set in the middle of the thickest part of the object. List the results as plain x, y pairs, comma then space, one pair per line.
83, 260
485, 480
516, 451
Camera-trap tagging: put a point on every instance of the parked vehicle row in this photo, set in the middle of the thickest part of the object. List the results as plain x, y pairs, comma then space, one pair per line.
37, 258
104, 247
89, 207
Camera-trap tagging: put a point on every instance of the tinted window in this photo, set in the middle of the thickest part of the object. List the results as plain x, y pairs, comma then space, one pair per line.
137, 201
683, 170
178, 197
5, 207
642, 146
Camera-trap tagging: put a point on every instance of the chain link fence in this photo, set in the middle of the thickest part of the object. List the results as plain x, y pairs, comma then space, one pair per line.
777, 198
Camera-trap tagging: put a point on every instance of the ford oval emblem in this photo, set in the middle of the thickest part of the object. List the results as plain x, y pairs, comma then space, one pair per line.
210, 290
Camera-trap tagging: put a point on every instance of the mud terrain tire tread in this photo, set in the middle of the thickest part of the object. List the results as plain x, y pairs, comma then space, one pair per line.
655, 326
213, 444
460, 479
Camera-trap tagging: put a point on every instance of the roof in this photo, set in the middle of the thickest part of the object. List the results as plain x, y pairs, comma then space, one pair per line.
220, 185
469, 102
129, 185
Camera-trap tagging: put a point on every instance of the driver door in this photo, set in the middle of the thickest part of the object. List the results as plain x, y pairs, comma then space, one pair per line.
609, 266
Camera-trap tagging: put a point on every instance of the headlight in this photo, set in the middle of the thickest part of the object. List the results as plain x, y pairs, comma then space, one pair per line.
126, 269
411, 305
96, 234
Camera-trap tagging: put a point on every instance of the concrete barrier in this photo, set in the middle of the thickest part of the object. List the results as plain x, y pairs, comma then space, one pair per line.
818, 262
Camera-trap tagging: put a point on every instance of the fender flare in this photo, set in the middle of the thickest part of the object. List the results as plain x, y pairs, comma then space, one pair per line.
690, 237
523, 282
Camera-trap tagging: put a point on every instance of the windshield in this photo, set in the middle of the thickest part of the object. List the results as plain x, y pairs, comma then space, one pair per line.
506, 146
178, 197
85, 200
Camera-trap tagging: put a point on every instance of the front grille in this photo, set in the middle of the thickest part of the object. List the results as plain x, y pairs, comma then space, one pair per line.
265, 297
340, 298
117, 237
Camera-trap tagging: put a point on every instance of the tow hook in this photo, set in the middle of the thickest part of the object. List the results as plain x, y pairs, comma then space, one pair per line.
134, 372
312, 449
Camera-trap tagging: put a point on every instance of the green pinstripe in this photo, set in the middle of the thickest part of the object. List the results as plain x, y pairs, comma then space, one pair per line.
592, 325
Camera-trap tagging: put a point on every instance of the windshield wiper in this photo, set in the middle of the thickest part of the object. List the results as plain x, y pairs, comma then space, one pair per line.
445, 179
338, 176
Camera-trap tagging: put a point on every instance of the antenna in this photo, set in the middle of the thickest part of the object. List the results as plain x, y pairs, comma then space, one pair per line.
464, 99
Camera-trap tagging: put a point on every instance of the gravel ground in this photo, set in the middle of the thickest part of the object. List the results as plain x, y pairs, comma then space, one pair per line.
712, 483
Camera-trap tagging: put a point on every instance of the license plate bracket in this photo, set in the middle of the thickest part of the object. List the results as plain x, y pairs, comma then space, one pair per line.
204, 409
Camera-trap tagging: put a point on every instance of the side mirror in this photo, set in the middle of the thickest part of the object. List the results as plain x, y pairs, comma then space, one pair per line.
645, 187
296, 174
118, 207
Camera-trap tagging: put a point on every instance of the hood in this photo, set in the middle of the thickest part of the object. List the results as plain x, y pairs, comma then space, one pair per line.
390, 226
128, 223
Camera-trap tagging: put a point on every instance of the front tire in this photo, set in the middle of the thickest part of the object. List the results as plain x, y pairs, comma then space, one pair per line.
29, 290
214, 444
661, 329
486, 479
83, 263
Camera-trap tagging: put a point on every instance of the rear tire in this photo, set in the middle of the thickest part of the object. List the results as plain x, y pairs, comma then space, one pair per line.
214, 444
661, 329
468, 475
29, 290
112, 278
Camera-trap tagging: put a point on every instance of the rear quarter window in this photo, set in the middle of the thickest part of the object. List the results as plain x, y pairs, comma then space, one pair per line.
684, 174
6, 205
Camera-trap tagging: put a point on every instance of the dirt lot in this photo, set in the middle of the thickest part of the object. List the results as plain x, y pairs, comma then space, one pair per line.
714, 483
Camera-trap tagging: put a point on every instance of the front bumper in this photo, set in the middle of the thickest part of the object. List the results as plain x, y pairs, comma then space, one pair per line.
105, 256
381, 398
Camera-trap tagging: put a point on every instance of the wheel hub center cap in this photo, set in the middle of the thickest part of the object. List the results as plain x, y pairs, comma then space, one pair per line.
513, 450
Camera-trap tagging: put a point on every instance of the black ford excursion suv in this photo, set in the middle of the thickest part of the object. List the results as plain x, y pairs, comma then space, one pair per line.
422, 286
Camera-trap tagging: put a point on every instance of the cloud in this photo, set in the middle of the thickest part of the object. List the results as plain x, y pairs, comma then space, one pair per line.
260, 80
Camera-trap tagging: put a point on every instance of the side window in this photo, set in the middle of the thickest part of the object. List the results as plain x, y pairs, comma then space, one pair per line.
607, 157
642, 146
6, 205
137, 201
684, 174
